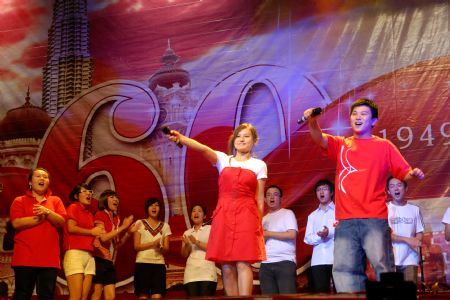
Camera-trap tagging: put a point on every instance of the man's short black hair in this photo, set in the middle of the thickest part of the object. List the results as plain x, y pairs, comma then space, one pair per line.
366, 102
275, 187
405, 184
201, 206
324, 182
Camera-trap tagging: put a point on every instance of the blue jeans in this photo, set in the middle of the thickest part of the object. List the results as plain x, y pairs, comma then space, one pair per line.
278, 278
354, 241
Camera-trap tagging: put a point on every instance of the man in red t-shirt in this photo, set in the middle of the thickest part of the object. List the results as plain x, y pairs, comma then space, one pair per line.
363, 164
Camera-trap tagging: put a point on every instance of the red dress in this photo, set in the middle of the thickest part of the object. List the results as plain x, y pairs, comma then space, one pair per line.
236, 229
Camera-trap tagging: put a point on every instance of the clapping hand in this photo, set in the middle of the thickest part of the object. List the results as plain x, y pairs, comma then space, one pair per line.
323, 233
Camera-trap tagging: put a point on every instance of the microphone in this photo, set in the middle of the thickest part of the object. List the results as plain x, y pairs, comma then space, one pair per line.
166, 130
315, 112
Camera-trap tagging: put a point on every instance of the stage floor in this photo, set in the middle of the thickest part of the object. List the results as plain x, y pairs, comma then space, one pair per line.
305, 296
442, 295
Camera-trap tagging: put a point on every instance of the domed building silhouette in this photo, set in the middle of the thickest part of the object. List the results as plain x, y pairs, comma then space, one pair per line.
21, 132
25, 122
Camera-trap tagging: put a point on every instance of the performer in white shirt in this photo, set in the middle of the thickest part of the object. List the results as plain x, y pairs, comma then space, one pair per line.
151, 242
320, 234
407, 228
277, 274
200, 276
446, 221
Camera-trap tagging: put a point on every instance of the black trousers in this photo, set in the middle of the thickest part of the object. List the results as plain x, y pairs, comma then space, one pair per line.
27, 277
200, 288
320, 277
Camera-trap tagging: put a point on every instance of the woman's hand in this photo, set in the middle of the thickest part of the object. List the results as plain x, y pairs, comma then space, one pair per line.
134, 227
97, 231
173, 135
128, 221
40, 210
185, 239
192, 239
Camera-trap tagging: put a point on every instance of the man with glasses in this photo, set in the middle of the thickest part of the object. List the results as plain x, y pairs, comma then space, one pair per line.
319, 233
277, 274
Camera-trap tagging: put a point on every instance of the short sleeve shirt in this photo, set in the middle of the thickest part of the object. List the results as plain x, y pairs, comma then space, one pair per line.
255, 165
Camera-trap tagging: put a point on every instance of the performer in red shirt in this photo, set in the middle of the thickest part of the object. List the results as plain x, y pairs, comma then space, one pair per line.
106, 245
79, 234
363, 164
36, 217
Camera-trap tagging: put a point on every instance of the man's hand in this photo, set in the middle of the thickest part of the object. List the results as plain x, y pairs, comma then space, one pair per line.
418, 173
323, 233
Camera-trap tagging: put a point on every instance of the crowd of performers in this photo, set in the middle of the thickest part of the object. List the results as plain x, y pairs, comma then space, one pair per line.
353, 222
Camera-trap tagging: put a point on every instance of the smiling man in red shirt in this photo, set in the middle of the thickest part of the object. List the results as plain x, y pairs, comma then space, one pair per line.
363, 164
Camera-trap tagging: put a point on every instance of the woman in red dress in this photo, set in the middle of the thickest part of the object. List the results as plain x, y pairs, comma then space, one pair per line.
236, 240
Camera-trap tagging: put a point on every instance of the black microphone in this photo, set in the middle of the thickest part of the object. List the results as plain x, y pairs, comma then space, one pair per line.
166, 130
315, 112
208, 222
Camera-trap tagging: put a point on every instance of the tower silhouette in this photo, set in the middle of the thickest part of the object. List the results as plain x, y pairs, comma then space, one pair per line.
69, 66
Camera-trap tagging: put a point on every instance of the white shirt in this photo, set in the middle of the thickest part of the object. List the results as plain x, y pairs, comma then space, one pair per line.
323, 248
255, 165
446, 218
280, 221
152, 255
405, 220
197, 267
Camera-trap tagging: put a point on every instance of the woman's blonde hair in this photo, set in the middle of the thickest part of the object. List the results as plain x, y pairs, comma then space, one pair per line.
236, 131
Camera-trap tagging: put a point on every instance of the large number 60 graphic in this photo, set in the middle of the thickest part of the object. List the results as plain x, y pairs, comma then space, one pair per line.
91, 141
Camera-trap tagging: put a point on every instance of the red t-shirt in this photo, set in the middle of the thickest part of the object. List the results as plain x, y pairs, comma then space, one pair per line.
84, 219
110, 224
362, 169
36, 246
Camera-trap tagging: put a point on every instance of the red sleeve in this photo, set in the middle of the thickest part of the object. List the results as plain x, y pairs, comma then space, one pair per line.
17, 210
93, 207
101, 217
332, 150
59, 208
72, 212
398, 167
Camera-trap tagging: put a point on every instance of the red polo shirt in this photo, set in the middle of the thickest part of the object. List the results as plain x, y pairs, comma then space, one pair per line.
84, 219
110, 224
36, 246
